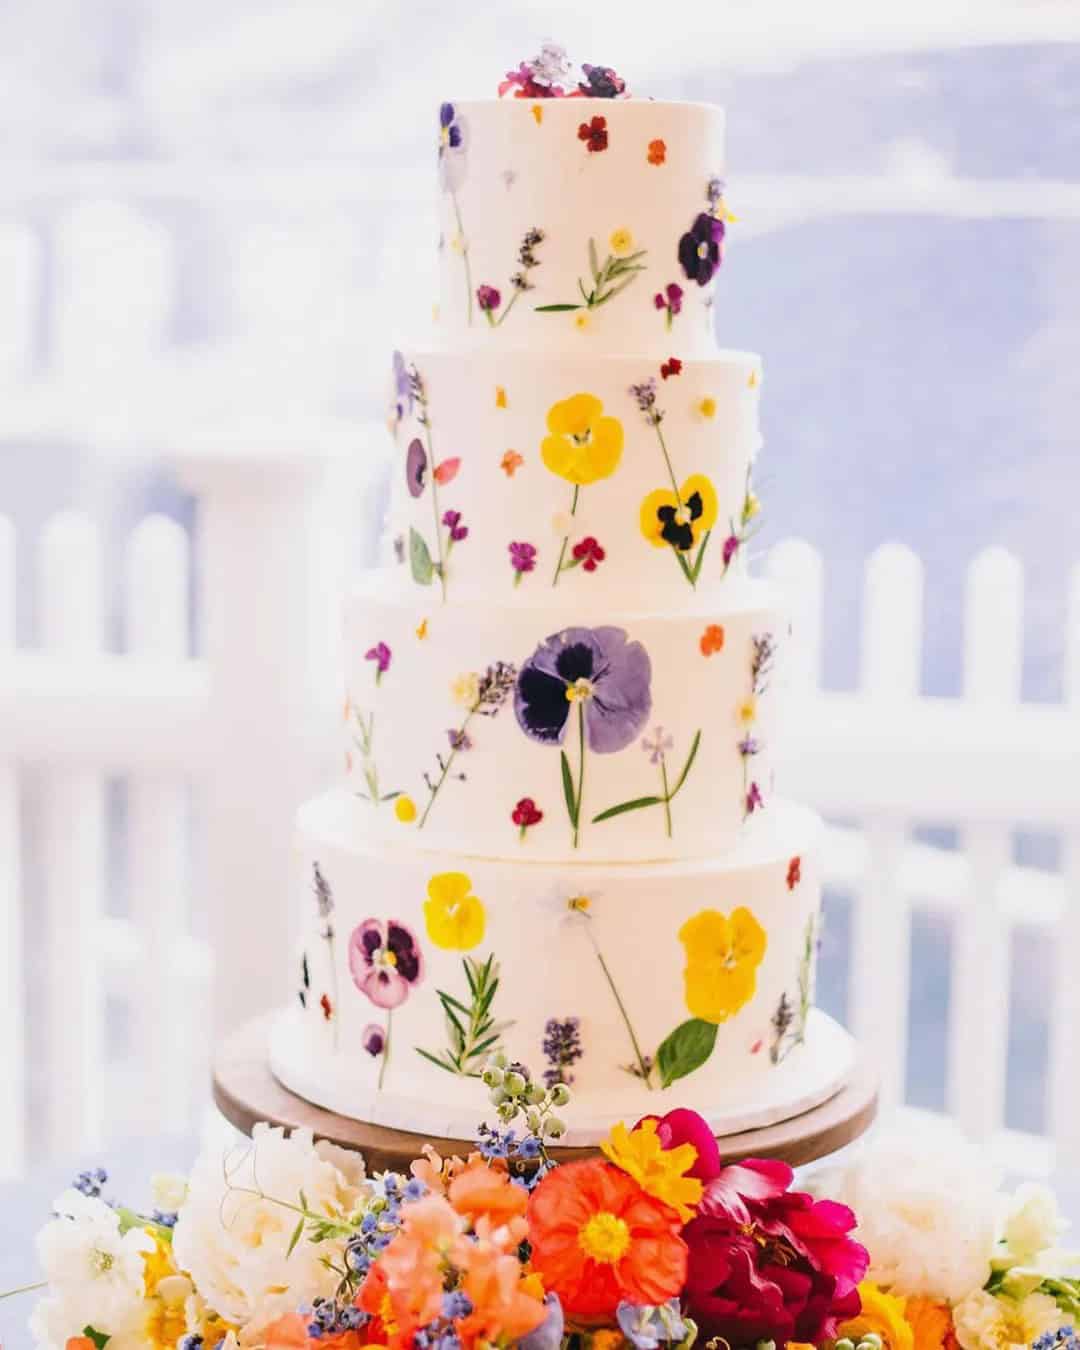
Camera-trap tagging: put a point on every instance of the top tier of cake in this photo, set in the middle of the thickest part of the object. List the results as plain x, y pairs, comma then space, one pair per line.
585, 223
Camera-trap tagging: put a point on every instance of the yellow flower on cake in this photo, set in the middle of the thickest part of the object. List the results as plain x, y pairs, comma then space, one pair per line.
707, 406
722, 956
454, 916
405, 809
658, 1171
465, 689
621, 241
680, 521
583, 445
747, 711
883, 1315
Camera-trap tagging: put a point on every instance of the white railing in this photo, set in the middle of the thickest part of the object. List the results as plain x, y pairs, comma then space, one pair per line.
245, 729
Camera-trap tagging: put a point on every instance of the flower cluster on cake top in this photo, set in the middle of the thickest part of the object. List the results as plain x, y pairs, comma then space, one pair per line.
550, 75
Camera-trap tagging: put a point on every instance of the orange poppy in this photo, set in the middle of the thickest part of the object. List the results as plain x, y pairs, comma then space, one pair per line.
712, 640
597, 1238
657, 152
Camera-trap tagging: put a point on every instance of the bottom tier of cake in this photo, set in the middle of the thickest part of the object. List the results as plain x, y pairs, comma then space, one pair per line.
642, 986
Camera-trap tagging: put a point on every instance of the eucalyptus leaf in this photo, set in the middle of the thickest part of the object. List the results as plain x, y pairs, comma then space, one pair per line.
686, 1049
420, 563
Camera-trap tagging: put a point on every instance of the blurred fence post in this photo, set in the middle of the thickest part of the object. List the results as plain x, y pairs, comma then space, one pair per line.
258, 551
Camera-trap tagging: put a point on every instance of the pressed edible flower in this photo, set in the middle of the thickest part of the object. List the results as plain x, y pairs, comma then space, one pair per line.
672, 366
723, 953
583, 445
707, 407
454, 917
522, 559
526, 813
511, 462
385, 961
594, 134
465, 689
621, 241
660, 1171
588, 553
657, 151
500, 396
680, 520
712, 640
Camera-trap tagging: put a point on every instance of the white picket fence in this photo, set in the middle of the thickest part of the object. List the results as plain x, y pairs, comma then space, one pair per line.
215, 750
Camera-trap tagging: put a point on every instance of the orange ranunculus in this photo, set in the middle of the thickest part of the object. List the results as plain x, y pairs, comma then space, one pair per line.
597, 1239
480, 1189
931, 1324
431, 1234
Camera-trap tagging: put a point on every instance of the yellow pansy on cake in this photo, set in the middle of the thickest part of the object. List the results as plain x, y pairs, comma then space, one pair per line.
560, 837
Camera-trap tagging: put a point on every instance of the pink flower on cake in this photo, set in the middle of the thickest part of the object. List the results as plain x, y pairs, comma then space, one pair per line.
385, 961
526, 813
381, 655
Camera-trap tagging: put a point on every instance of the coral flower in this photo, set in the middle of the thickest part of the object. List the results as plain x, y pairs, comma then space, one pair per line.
481, 1190
582, 445
454, 916
431, 1235
511, 462
505, 1306
712, 640
657, 152
661, 1171
722, 957
598, 1238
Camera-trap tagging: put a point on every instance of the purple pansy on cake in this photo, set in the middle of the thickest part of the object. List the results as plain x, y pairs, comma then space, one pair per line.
385, 961
598, 668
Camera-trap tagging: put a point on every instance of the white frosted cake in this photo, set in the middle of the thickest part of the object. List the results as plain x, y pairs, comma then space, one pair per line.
559, 834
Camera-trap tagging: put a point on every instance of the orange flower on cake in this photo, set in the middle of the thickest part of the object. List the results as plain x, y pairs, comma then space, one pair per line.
599, 1239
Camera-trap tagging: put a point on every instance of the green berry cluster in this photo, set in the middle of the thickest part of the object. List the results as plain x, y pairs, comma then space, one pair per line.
871, 1341
515, 1096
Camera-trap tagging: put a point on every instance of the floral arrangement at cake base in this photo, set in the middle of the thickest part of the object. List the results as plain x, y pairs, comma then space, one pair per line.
291, 1245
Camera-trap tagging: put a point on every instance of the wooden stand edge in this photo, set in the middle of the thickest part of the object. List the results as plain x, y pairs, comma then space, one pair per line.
246, 1092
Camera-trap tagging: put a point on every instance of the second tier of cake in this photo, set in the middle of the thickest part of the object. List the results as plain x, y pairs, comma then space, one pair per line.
577, 732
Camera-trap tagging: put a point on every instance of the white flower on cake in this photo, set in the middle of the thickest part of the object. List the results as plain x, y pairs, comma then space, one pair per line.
233, 1238
987, 1322
927, 1206
95, 1271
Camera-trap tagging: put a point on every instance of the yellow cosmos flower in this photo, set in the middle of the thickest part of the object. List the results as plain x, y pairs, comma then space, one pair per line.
621, 241
583, 445
658, 1171
707, 406
722, 957
665, 522
465, 690
405, 809
454, 916
882, 1314
582, 320
746, 712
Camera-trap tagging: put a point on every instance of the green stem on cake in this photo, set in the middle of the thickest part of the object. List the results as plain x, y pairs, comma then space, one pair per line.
386, 1048
445, 768
506, 310
440, 566
643, 1065
691, 574
667, 793
581, 772
559, 567
464, 253
333, 985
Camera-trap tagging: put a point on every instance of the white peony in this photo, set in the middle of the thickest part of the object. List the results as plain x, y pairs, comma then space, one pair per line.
987, 1322
926, 1207
233, 1238
1031, 1225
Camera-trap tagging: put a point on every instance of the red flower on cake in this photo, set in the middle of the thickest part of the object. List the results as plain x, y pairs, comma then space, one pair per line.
326, 1006
526, 813
594, 133
672, 366
589, 553
794, 873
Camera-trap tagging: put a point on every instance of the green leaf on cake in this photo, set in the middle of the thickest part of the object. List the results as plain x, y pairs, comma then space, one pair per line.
471, 1031
689, 763
568, 791
686, 1049
556, 309
623, 807
423, 569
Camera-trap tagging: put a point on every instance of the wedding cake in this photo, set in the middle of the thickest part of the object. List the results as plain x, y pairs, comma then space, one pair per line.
559, 836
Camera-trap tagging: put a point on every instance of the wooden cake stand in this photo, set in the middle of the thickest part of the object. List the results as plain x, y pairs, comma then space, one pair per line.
246, 1092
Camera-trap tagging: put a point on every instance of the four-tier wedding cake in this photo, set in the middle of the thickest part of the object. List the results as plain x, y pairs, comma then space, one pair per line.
559, 834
